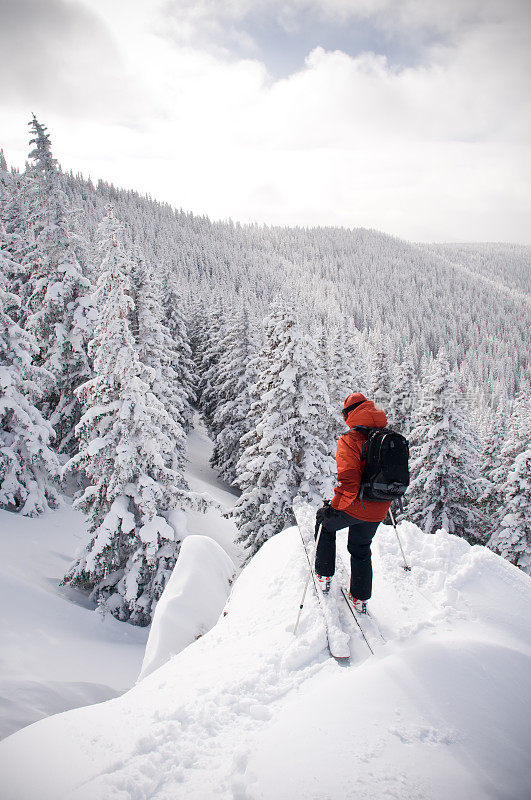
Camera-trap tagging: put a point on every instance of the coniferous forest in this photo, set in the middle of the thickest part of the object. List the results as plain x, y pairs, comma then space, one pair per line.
121, 316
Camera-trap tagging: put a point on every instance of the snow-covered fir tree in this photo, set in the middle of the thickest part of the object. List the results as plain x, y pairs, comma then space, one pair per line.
511, 529
512, 539
56, 313
158, 354
207, 357
28, 465
494, 466
126, 450
332, 352
13, 215
356, 358
196, 318
4, 175
403, 400
444, 487
176, 323
380, 376
285, 454
327, 359
347, 368
230, 420
10, 214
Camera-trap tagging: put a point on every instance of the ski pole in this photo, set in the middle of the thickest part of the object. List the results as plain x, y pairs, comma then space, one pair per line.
312, 565
406, 567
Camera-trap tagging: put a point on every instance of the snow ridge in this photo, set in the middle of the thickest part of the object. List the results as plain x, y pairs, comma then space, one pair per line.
250, 711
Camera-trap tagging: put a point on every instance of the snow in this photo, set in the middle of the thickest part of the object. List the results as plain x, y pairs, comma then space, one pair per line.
192, 601
201, 478
57, 652
199, 475
426, 723
250, 711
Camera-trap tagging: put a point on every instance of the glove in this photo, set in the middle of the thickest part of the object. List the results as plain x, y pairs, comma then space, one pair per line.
323, 513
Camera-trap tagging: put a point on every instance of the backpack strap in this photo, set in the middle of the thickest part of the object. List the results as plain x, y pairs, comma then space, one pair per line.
367, 431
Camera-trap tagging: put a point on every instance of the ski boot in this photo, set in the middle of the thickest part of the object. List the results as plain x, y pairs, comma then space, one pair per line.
323, 582
359, 605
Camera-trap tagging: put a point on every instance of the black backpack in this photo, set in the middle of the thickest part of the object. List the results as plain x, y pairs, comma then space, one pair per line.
386, 471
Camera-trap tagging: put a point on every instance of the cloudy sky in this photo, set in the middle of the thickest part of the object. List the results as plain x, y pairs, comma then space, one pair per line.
409, 116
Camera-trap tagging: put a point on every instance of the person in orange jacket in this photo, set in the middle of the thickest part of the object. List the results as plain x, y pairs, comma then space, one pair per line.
346, 510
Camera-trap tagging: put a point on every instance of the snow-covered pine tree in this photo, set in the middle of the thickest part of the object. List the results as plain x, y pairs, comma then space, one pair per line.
126, 450
285, 454
445, 460
512, 539
158, 354
230, 421
380, 376
13, 215
494, 468
197, 321
28, 466
56, 313
403, 401
511, 534
176, 324
347, 369
4, 173
356, 358
207, 360
331, 427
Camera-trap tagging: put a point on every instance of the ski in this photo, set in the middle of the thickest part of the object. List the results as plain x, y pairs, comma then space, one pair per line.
356, 615
365, 621
337, 638
376, 628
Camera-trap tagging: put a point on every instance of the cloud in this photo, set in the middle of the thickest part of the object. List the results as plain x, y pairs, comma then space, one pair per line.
240, 22
343, 102
434, 147
57, 55
278, 33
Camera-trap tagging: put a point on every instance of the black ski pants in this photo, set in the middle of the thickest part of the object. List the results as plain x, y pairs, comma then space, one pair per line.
360, 536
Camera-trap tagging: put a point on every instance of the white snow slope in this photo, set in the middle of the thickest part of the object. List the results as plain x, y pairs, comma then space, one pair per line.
56, 652
250, 712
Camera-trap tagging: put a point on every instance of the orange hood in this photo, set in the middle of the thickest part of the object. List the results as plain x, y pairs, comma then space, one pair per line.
367, 414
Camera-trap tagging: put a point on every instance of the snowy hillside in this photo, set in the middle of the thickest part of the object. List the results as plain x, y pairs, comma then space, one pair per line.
120, 315
58, 653
412, 294
502, 264
249, 711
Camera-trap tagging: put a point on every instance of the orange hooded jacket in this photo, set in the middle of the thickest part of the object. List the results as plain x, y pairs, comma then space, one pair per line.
350, 466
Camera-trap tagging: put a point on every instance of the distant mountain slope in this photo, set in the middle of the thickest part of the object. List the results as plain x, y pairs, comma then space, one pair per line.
506, 264
424, 295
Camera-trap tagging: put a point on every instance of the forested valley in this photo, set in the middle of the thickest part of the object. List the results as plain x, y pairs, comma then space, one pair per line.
120, 316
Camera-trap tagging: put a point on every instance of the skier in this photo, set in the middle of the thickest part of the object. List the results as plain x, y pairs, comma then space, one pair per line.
346, 509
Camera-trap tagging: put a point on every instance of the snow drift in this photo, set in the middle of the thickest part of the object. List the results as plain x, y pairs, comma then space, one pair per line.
191, 602
250, 711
